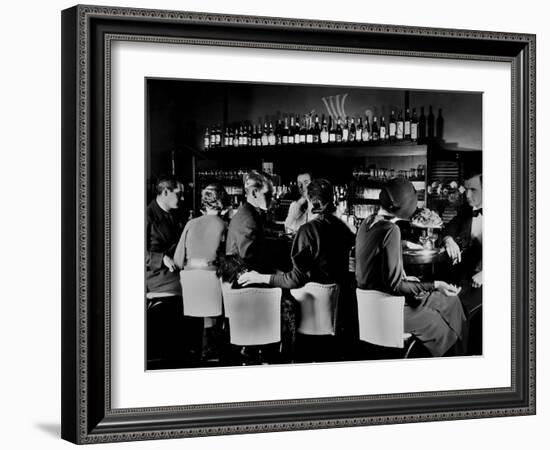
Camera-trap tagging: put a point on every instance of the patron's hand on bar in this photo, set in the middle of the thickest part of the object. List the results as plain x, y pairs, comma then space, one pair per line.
477, 280
453, 250
253, 277
169, 262
446, 288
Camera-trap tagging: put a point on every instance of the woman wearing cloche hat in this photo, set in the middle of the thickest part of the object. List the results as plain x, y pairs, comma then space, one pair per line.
433, 312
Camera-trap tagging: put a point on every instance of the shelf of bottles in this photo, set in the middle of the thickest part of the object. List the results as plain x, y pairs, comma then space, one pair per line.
310, 129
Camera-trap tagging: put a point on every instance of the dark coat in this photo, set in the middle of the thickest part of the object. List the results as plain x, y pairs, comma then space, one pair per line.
246, 237
320, 253
460, 229
163, 233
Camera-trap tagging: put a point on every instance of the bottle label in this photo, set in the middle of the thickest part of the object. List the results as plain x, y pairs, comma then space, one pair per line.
358, 135
272, 139
302, 139
332, 137
324, 137
407, 128
206, 142
289, 139
315, 138
392, 129
382, 132
414, 131
366, 135
309, 138
345, 134
264, 139
285, 139
399, 130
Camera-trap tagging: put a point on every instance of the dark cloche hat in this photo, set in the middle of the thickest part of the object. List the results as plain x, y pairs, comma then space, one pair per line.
398, 196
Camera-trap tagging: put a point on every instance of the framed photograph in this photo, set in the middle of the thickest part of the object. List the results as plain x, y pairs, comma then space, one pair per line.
256, 207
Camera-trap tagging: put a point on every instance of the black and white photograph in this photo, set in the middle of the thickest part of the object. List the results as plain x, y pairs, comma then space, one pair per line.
309, 224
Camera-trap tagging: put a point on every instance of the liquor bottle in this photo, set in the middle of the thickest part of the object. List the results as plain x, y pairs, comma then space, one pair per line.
375, 131
431, 120
249, 135
253, 136
219, 136
422, 125
284, 138
323, 136
407, 124
383, 130
359, 130
352, 131
345, 131
393, 125
400, 125
309, 131
332, 130
230, 138
213, 137
439, 125
206, 140
297, 130
236, 137
226, 137
264, 140
366, 130
316, 130
303, 131
278, 133
271, 136
414, 126
242, 137
339, 131
290, 138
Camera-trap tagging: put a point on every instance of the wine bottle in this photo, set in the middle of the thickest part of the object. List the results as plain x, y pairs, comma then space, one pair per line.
206, 140
345, 131
352, 131
359, 130
414, 126
383, 132
323, 136
316, 130
284, 138
400, 125
375, 132
309, 131
366, 130
264, 138
407, 124
332, 130
393, 125
422, 125
431, 120
339, 131
249, 135
226, 137
303, 131
272, 140
297, 130
290, 137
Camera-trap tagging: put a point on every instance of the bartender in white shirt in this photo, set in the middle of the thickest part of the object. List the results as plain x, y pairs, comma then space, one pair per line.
300, 210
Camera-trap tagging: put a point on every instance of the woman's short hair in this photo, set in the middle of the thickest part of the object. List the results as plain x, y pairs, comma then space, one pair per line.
214, 197
321, 196
256, 180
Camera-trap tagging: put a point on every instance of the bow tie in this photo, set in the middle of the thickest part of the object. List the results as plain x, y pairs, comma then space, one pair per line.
477, 212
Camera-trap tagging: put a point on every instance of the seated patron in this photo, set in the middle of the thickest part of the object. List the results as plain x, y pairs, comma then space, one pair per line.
463, 242
433, 312
320, 250
246, 235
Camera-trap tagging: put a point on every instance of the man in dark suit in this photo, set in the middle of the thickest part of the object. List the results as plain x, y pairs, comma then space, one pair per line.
246, 236
463, 242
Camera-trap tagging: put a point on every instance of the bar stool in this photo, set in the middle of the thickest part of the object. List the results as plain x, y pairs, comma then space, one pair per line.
254, 319
381, 320
317, 325
164, 325
202, 298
